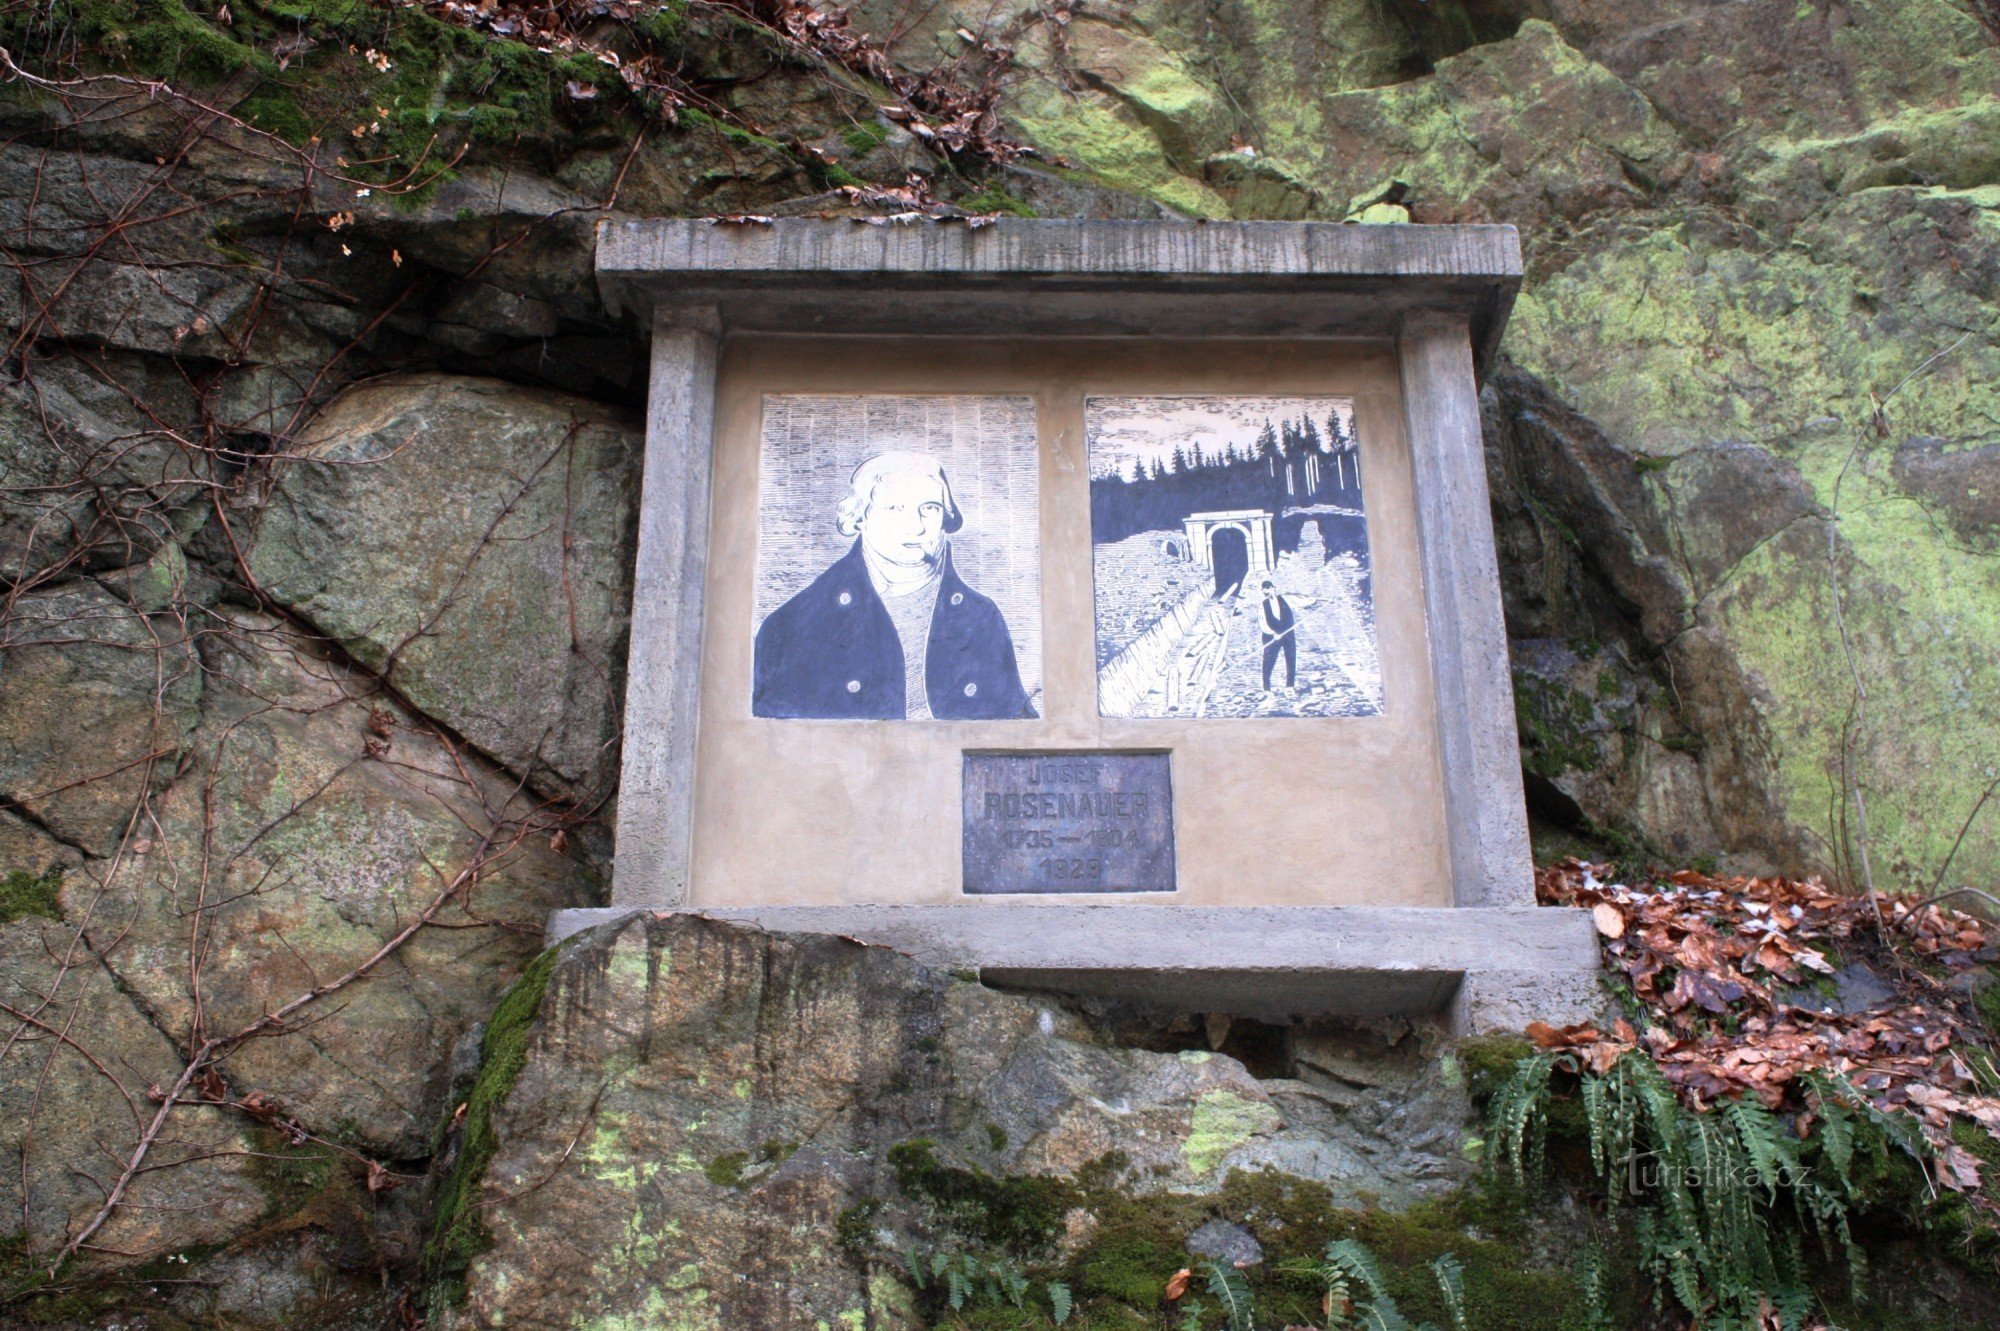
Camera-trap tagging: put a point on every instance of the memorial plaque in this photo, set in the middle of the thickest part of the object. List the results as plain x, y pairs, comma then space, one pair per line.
1068, 822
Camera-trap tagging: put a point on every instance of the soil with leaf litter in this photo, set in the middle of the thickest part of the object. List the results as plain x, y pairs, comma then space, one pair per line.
1731, 985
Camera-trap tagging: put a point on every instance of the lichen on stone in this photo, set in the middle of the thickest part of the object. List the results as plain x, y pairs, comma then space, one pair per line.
1222, 1122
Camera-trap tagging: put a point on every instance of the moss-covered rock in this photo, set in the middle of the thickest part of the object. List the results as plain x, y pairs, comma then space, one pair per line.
744, 1129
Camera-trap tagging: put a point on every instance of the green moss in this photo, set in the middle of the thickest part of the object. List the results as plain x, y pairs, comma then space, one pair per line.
1136, 1248
419, 89
1502, 1291
996, 1136
276, 108
854, 1231
734, 1169
734, 133
1488, 1062
831, 175
992, 200
664, 24
864, 137
292, 1177
458, 1234
23, 893
726, 1171
1021, 1215
164, 36
1120, 1273
1554, 722
22, 1276
1987, 1002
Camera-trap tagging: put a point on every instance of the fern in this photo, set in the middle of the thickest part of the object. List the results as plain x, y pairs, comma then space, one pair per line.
1060, 1302
1232, 1291
1831, 1096
1351, 1260
1382, 1315
1450, 1273
1348, 1265
1792, 1298
1773, 1151
966, 1279
1519, 1118
1593, 1275
1719, 1200
1339, 1295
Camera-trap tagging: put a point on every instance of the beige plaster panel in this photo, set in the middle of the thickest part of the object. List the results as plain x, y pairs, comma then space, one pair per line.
1275, 811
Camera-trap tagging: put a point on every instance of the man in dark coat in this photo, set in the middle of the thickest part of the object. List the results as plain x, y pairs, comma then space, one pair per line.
890, 631
1280, 635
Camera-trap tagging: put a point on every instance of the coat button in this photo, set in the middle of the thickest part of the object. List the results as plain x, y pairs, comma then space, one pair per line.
971, 689
847, 598
958, 598
854, 686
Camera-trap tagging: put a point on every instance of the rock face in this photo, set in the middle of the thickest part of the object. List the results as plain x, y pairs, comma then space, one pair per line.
96, 701
316, 824
86, 475
473, 541
73, 1106
689, 1123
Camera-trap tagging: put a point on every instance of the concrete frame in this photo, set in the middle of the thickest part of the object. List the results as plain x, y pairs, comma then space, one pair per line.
1441, 293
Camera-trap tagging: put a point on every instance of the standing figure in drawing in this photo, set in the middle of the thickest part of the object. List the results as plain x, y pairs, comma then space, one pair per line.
890, 631
1280, 635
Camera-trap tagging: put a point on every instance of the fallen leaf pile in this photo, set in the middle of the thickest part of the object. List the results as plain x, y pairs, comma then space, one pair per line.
952, 115
1723, 970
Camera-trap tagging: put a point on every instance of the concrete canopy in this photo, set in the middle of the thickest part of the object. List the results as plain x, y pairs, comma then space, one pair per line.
1020, 277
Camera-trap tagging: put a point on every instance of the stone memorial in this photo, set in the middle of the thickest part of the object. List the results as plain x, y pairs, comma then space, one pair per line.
1110, 607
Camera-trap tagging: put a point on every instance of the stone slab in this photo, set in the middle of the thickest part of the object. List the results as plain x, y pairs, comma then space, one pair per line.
1043, 822
1055, 277
1488, 968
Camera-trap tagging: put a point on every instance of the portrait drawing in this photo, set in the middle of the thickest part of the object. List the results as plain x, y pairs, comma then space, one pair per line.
893, 513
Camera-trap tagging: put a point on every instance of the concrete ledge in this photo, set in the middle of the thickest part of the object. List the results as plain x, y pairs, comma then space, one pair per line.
1488, 969
1048, 277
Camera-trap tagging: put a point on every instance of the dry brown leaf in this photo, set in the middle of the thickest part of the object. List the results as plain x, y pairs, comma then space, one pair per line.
1610, 920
